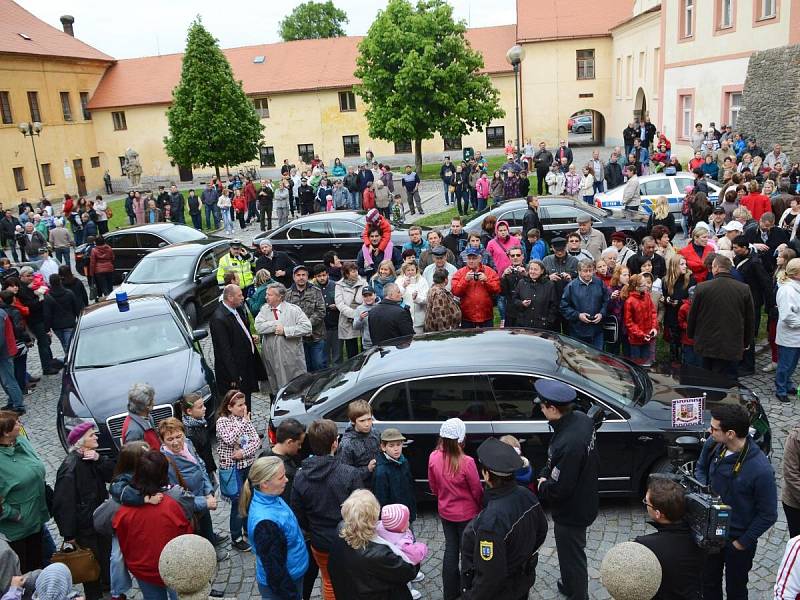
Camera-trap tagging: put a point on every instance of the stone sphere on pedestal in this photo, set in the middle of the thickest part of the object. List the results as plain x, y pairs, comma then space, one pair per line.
188, 564
630, 571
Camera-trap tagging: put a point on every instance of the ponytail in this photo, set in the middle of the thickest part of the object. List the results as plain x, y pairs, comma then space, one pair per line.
244, 498
264, 469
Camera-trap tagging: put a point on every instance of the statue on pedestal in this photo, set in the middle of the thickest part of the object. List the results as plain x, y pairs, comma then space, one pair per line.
132, 167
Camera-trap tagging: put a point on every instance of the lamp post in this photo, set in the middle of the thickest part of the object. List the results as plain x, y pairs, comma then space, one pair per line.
30, 130
514, 57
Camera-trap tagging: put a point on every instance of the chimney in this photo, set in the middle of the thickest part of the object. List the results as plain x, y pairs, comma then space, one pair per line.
66, 23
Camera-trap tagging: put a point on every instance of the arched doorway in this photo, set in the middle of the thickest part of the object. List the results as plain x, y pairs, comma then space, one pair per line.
640, 106
586, 128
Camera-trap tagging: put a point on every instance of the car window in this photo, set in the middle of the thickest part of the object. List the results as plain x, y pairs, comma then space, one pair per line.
515, 397
122, 240
346, 229
207, 261
221, 251
162, 269
560, 214
441, 398
603, 372
682, 182
180, 233
391, 404
513, 218
656, 187
148, 240
309, 231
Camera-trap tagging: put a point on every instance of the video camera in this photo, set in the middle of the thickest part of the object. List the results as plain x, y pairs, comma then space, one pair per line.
707, 515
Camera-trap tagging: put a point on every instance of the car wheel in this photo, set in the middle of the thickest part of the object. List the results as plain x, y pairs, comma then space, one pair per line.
580, 130
190, 308
632, 244
665, 467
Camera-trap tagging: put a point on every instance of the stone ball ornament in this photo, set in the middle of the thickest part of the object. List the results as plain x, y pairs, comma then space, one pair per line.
630, 571
188, 565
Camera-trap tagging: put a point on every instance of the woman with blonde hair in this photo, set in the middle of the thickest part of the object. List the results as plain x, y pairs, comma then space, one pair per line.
677, 282
262, 281
273, 530
385, 273
661, 215
363, 565
414, 288
785, 255
787, 333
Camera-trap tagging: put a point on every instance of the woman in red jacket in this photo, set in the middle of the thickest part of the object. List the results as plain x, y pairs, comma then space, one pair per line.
101, 266
641, 319
756, 202
695, 253
240, 206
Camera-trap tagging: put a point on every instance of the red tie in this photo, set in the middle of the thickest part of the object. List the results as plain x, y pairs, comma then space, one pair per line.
275, 312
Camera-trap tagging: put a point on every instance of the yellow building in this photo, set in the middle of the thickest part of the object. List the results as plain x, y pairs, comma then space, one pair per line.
46, 76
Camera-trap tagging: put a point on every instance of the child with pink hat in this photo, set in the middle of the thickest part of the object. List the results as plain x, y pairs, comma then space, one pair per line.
393, 528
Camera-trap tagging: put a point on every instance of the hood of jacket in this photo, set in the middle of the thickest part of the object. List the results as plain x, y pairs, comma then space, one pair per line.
317, 468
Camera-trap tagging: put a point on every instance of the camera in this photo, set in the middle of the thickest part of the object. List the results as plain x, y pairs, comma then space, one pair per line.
707, 515
476, 276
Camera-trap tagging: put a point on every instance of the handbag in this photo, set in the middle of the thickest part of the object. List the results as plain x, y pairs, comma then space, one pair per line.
80, 562
611, 329
103, 516
229, 484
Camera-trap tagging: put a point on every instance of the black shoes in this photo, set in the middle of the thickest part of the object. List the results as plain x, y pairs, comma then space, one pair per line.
241, 545
783, 398
562, 589
220, 538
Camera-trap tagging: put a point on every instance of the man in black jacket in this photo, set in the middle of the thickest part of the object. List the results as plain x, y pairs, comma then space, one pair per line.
680, 558
8, 227
766, 238
388, 319
531, 218
647, 252
613, 172
542, 160
509, 279
446, 173
265, 196
277, 263
568, 482
456, 240
36, 320
629, 134
305, 197
176, 205
752, 270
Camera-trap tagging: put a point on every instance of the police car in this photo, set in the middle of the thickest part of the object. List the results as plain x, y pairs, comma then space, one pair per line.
652, 186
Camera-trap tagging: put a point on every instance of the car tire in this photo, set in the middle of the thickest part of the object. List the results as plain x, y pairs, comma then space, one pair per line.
580, 130
631, 243
190, 308
664, 466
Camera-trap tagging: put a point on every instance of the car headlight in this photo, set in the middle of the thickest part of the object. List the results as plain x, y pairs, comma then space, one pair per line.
204, 392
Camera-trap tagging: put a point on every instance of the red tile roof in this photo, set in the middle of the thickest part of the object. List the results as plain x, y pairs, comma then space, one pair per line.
287, 67
540, 20
40, 38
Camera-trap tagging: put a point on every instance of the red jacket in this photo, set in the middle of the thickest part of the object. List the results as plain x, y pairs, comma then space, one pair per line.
386, 233
101, 260
683, 322
757, 204
239, 204
249, 191
69, 206
694, 262
476, 296
640, 317
368, 200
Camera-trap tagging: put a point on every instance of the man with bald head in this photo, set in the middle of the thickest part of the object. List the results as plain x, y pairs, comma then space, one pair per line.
236, 362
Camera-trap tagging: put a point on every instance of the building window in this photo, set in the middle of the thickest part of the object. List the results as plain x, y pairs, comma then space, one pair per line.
66, 109
767, 9
19, 178
734, 105
725, 14
619, 78
119, 120
452, 143
628, 76
95, 162
305, 152
47, 175
347, 101
495, 137
642, 64
5, 109
585, 63
267, 156
33, 104
402, 147
121, 165
687, 18
351, 145
685, 115
87, 114
262, 107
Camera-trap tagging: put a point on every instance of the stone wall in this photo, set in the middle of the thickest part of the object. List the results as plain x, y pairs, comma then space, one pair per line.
771, 100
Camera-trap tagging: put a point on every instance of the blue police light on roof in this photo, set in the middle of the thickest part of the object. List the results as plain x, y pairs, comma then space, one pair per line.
122, 301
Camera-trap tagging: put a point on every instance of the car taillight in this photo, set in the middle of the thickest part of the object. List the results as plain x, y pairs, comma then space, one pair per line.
272, 434
598, 203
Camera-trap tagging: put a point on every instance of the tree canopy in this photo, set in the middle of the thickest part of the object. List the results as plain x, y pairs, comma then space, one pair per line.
419, 76
313, 20
211, 120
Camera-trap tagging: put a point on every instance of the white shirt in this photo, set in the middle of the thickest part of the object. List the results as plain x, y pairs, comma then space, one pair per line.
49, 267
431, 269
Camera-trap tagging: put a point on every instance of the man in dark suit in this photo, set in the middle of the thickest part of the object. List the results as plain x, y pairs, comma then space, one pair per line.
389, 319
279, 264
237, 365
766, 238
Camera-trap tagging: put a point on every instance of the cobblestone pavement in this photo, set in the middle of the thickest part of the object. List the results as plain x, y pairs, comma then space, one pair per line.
619, 520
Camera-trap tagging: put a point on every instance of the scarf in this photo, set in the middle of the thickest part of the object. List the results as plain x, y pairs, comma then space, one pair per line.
192, 422
368, 261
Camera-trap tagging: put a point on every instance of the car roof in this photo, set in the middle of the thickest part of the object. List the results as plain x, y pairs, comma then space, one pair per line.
192, 248
103, 313
160, 228
473, 350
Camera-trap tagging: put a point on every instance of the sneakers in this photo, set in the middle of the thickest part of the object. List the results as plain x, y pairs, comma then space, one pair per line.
415, 594
220, 538
420, 576
770, 368
241, 545
783, 398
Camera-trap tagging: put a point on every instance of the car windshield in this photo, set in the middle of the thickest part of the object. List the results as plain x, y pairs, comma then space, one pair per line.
148, 337
184, 234
162, 269
330, 380
601, 372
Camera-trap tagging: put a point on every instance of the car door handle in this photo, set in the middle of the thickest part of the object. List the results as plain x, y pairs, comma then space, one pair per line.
645, 438
407, 442
298, 246
336, 245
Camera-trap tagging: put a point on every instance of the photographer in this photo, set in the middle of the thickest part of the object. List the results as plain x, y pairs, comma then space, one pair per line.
680, 558
238, 261
476, 285
738, 471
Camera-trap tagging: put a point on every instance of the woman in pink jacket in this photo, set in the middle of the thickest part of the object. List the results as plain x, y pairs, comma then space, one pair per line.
453, 479
482, 187
499, 246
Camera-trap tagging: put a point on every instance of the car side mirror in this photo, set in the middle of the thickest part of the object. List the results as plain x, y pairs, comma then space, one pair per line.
199, 334
125, 275
163, 245
204, 272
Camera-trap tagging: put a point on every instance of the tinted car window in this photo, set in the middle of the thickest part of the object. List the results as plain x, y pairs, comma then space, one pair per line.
438, 399
309, 231
602, 372
515, 397
148, 240
184, 234
391, 404
123, 240
513, 218
346, 229
559, 214
207, 262
656, 187
221, 251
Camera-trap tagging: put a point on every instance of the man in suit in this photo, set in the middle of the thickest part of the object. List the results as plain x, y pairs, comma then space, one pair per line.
237, 365
765, 240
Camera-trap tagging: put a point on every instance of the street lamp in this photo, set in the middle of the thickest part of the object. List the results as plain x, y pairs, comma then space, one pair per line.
30, 130
514, 56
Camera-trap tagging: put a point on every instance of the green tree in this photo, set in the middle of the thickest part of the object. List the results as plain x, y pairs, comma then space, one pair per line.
419, 76
313, 21
211, 120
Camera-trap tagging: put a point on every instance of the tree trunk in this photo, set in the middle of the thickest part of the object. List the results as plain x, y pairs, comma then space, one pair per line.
418, 156
216, 168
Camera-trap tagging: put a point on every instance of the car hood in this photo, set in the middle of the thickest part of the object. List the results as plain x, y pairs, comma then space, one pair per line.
137, 289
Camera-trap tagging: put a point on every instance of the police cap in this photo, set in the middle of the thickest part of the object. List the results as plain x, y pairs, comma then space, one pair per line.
553, 392
498, 457
558, 242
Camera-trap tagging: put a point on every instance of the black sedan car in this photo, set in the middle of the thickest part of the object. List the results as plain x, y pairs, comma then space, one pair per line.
485, 377
558, 215
147, 340
308, 238
134, 243
185, 272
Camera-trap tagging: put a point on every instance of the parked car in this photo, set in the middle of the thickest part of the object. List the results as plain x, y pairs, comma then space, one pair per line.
558, 215
134, 243
414, 384
186, 272
149, 339
308, 238
652, 186
582, 124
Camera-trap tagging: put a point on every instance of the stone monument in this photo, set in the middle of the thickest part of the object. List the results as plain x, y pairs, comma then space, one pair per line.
631, 571
133, 167
188, 565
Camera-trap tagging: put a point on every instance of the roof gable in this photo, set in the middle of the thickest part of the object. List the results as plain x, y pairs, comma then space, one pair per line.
539, 20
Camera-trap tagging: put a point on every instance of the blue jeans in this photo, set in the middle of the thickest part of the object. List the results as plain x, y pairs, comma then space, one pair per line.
690, 357
62, 256
481, 204
227, 221
589, 200
448, 197
639, 353
9, 383
151, 591
197, 221
355, 200
236, 521
65, 337
594, 339
599, 186
316, 355
268, 594
501, 306
787, 363
211, 212
736, 565
120, 578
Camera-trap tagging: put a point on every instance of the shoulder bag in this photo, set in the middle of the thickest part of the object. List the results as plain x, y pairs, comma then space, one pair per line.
80, 562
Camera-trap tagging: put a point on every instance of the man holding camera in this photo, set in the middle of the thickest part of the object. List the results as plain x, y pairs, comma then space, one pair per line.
238, 261
736, 469
476, 285
584, 305
680, 558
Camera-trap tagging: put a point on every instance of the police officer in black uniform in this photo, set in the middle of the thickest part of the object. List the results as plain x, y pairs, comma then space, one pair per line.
569, 483
499, 548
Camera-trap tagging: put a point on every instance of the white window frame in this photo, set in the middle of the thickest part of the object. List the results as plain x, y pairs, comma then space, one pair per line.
262, 107
768, 9
688, 20
687, 115
725, 10
733, 109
